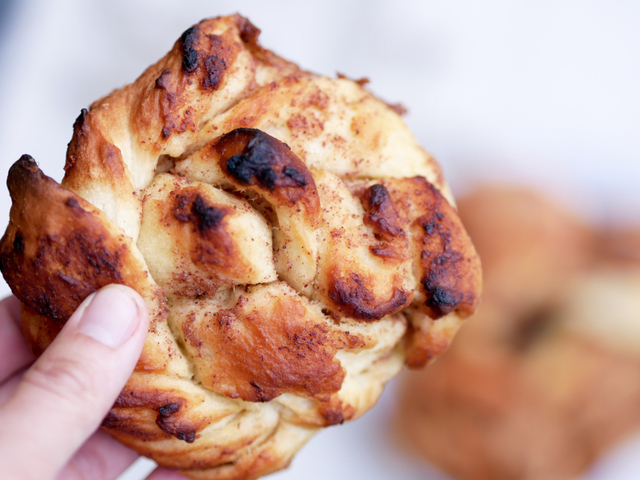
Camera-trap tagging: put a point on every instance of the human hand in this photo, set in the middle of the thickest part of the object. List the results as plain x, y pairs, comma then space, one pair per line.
50, 409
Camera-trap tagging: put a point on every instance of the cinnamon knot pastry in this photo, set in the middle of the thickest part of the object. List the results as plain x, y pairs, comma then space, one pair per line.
294, 245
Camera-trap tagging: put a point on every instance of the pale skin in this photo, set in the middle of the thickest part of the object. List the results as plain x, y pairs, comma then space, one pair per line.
51, 408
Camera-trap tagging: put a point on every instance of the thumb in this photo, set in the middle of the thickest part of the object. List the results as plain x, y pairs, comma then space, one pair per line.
64, 396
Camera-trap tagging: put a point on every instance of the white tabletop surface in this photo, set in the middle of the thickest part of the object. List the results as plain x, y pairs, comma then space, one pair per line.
541, 92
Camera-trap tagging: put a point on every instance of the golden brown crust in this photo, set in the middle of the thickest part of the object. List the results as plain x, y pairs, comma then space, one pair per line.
197, 239
352, 279
171, 95
270, 219
39, 331
445, 262
198, 65
205, 222
269, 342
427, 339
105, 160
169, 408
57, 250
351, 295
448, 265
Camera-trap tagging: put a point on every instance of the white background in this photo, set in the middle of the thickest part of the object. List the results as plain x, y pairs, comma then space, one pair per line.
543, 92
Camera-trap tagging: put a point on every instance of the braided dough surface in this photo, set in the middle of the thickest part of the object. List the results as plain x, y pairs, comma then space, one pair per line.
294, 244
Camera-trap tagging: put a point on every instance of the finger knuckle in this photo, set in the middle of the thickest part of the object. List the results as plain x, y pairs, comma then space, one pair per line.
69, 379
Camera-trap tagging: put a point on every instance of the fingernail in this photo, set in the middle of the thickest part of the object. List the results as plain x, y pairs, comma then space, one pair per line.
111, 316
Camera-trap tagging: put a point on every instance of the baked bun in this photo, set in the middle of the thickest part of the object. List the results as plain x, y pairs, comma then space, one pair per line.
292, 241
547, 376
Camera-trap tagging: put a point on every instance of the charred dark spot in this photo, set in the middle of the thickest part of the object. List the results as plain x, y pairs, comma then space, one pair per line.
80, 120
72, 202
295, 175
120, 421
249, 156
353, 298
440, 300
43, 306
259, 391
169, 409
214, 68
248, 32
333, 416
387, 252
208, 216
336, 414
433, 224
166, 132
441, 260
450, 277
189, 54
163, 79
18, 243
112, 420
378, 195
101, 259
430, 228
257, 160
380, 212
214, 64
188, 437
171, 425
181, 209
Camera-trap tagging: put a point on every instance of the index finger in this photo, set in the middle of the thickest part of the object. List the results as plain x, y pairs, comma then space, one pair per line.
16, 354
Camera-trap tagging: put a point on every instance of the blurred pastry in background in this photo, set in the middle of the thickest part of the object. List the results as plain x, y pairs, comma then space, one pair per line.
547, 377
